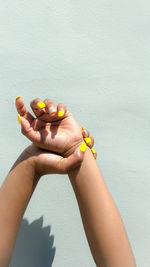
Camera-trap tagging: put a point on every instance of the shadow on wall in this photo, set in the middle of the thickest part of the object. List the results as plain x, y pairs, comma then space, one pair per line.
34, 245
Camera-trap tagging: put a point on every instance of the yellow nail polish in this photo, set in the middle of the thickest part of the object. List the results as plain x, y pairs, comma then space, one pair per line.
19, 119
93, 151
41, 105
83, 147
82, 128
60, 113
88, 140
17, 97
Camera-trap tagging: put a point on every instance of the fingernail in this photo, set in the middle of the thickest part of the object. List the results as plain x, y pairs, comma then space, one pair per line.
85, 133
83, 147
19, 119
60, 113
52, 110
41, 105
93, 151
17, 97
88, 140
82, 128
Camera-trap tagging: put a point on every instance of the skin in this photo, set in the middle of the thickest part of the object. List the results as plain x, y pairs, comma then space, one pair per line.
48, 131
102, 222
17, 189
15, 194
20, 183
103, 226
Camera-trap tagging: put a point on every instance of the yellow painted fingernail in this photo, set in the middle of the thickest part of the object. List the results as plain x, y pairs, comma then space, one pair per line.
88, 140
82, 128
83, 147
17, 97
41, 105
93, 151
19, 119
60, 113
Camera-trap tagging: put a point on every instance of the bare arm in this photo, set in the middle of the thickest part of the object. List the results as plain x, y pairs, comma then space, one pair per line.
15, 194
103, 225
33, 163
18, 188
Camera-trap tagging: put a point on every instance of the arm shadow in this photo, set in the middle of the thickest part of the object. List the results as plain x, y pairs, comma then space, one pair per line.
34, 245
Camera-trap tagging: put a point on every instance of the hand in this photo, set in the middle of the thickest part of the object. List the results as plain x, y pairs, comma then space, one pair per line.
44, 162
53, 128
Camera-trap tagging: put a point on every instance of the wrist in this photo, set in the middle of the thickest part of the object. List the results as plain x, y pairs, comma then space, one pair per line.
86, 160
32, 165
69, 151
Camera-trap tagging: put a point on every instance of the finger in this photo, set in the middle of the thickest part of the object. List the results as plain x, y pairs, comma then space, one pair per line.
94, 153
85, 132
27, 130
50, 107
38, 107
61, 110
50, 113
20, 106
73, 161
89, 141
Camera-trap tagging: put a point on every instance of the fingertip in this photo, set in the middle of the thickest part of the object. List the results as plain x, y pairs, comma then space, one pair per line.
41, 105
38, 107
50, 107
17, 97
61, 110
60, 113
85, 132
88, 140
18, 103
83, 147
52, 110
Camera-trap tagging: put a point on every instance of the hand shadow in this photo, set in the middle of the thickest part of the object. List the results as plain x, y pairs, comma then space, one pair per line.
34, 245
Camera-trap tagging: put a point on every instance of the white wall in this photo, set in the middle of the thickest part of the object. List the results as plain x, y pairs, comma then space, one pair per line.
93, 56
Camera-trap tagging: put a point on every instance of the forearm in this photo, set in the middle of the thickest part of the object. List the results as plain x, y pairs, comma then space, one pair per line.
15, 194
103, 226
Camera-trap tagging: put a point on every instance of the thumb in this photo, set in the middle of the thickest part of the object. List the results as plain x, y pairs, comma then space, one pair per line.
74, 160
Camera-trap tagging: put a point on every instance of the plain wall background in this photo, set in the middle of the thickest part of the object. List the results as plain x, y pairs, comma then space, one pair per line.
94, 56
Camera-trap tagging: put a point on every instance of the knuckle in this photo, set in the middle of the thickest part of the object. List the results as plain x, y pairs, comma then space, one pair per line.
79, 159
48, 101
